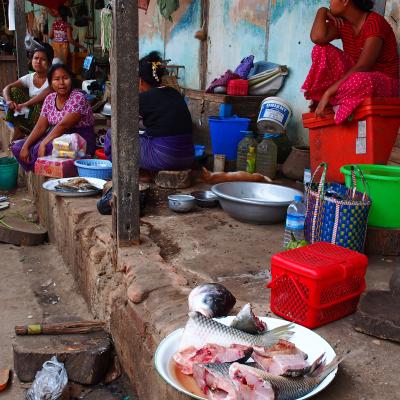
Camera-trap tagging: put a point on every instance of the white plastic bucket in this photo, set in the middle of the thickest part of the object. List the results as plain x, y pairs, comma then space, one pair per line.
274, 115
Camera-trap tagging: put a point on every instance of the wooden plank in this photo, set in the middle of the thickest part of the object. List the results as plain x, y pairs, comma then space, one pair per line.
8, 70
124, 122
382, 241
20, 32
203, 59
221, 98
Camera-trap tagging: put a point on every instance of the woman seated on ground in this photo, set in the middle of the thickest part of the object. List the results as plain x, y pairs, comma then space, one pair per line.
64, 111
367, 67
167, 142
29, 91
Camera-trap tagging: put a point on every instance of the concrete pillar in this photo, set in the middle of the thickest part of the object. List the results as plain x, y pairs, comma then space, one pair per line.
124, 122
20, 32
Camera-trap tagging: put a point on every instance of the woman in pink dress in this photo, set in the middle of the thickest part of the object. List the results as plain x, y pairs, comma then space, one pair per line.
368, 66
66, 110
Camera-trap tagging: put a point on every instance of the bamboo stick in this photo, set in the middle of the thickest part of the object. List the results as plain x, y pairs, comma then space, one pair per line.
60, 328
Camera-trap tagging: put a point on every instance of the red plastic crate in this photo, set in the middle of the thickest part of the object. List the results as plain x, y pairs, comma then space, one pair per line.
317, 284
238, 87
367, 139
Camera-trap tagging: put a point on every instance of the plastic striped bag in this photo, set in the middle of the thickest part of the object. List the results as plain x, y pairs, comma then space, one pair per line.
336, 214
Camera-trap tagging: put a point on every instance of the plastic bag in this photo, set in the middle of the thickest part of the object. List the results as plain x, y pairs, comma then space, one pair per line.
69, 146
49, 382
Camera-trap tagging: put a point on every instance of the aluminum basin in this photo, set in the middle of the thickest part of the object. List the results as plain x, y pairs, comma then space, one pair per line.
256, 203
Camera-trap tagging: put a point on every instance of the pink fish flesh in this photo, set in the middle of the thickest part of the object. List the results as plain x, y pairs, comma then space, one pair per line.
283, 364
214, 381
210, 353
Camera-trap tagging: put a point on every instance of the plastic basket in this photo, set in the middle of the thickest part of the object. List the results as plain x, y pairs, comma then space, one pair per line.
90, 168
8, 173
317, 284
226, 133
238, 87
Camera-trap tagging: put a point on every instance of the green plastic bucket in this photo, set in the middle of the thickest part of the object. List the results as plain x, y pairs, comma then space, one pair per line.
383, 186
8, 173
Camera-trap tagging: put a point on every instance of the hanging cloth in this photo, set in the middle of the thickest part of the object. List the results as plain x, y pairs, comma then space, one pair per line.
168, 7
106, 28
11, 15
143, 4
49, 3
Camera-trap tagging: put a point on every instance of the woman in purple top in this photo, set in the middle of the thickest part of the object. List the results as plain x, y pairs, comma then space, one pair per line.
64, 111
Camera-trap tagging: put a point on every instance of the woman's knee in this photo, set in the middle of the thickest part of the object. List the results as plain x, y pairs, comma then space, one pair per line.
320, 49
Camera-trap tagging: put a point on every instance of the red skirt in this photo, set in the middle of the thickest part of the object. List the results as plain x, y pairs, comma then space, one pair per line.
329, 64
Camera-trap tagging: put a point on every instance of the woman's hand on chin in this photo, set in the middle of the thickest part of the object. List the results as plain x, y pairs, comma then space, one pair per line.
338, 21
24, 154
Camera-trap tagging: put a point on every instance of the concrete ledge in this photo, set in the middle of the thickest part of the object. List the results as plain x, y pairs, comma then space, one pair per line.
142, 291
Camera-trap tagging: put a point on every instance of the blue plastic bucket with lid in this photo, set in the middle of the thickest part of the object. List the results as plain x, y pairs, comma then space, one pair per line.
226, 133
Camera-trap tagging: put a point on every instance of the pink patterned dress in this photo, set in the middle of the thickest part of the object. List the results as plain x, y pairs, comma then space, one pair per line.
76, 104
330, 64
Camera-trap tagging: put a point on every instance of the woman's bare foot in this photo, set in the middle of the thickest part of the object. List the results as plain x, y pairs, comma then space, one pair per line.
313, 105
17, 134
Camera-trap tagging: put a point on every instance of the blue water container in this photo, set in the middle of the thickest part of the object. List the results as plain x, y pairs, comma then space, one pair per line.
226, 133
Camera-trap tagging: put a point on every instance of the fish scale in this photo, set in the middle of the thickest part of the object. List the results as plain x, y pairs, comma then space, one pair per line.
201, 330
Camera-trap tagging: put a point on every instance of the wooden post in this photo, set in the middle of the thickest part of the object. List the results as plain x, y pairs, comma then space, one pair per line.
124, 122
203, 59
20, 32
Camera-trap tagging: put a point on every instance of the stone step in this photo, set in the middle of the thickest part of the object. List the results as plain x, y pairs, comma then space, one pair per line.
378, 315
86, 357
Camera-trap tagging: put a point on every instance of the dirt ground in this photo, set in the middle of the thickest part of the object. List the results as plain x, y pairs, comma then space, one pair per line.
35, 285
209, 246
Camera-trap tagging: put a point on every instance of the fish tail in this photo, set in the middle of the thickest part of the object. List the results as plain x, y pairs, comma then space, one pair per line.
323, 370
273, 336
316, 364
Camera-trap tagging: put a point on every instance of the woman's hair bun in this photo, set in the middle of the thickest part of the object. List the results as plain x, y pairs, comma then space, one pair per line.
364, 5
151, 69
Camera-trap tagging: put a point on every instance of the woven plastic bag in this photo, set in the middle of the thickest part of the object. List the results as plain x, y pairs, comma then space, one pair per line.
336, 214
49, 382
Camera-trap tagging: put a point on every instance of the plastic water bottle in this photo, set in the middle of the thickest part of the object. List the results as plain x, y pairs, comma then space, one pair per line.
295, 219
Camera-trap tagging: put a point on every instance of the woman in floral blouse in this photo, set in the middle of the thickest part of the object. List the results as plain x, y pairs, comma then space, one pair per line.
64, 111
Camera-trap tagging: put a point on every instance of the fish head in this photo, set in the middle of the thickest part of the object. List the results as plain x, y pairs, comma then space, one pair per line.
211, 299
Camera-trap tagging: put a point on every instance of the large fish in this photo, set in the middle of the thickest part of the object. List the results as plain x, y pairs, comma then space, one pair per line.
212, 300
200, 331
246, 321
255, 384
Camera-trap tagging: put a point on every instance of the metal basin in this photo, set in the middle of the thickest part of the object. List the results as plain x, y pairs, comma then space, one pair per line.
205, 198
256, 203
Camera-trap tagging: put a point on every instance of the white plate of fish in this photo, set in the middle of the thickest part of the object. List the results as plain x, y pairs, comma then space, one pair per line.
243, 357
75, 187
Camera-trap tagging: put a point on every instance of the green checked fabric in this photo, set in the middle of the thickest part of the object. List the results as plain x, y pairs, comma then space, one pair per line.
27, 124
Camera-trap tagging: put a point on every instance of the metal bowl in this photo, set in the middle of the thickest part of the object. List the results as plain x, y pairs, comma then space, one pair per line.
181, 202
106, 110
256, 203
205, 198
